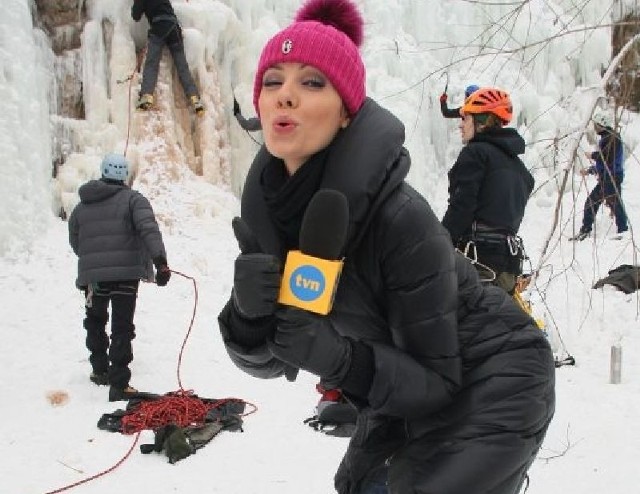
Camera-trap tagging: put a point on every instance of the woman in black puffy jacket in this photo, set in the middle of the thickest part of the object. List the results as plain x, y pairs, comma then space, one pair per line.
489, 187
453, 382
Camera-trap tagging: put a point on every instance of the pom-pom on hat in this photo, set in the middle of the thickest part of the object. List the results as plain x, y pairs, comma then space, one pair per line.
325, 34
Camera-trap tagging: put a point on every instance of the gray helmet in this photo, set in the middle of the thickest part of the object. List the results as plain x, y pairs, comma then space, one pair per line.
114, 167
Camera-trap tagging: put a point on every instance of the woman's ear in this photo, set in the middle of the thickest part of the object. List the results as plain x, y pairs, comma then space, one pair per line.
346, 120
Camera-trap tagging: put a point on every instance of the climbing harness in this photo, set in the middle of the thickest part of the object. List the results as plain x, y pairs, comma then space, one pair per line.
471, 252
106, 290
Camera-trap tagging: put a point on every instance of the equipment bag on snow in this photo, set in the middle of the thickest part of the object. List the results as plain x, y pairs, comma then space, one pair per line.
175, 432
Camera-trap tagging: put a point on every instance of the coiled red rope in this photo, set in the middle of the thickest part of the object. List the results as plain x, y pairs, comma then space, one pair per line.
181, 408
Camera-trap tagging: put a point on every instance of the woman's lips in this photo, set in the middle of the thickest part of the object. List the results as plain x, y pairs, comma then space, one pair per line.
284, 125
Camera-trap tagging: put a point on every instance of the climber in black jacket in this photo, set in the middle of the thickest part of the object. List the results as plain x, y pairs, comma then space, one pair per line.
489, 187
453, 382
249, 124
455, 112
164, 29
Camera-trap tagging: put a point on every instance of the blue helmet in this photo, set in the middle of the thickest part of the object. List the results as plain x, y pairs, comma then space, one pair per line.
470, 89
114, 167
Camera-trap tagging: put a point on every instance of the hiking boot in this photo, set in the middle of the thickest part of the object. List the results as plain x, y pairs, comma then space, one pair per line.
145, 102
122, 394
99, 378
580, 236
619, 236
197, 105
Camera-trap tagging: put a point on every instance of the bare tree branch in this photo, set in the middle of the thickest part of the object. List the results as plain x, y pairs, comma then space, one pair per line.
574, 151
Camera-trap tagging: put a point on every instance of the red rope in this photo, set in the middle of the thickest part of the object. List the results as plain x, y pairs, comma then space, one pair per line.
93, 477
126, 143
193, 317
180, 408
139, 58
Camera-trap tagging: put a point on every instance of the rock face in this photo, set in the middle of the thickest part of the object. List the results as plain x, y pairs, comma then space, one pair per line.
92, 102
626, 86
63, 20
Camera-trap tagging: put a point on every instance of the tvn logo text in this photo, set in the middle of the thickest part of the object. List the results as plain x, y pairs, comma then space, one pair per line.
307, 283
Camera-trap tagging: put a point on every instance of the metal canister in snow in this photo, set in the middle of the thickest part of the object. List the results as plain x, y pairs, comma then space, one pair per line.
615, 376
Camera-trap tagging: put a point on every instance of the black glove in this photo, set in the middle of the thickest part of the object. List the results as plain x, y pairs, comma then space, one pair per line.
345, 429
335, 416
256, 281
308, 341
177, 444
443, 98
236, 107
163, 273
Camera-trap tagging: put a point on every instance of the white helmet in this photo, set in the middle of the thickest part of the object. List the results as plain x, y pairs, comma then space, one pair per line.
604, 118
114, 167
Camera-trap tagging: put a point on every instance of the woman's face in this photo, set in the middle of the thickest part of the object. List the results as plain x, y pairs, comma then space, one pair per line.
300, 112
467, 128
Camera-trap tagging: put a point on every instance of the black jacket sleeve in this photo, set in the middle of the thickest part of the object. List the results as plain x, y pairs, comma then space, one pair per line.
422, 370
449, 112
248, 124
137, 9
146, 226
465, 181
74, 232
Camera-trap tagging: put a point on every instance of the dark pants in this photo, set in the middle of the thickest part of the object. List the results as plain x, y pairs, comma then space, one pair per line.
168, 33
116, 356
609, 191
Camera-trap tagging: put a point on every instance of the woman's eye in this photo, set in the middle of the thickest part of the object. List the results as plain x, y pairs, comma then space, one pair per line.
314, 82
271, 82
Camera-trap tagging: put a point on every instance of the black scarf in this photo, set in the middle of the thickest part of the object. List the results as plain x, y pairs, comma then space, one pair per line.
287, 196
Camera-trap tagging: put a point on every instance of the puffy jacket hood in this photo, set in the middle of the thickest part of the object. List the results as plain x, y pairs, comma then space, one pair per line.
99, 190
369, 151
366, 162
506, 138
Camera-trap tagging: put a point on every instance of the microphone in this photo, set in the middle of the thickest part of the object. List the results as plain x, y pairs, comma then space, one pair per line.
311, 274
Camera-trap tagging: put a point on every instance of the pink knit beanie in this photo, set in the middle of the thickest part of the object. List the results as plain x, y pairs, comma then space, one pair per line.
325, 34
